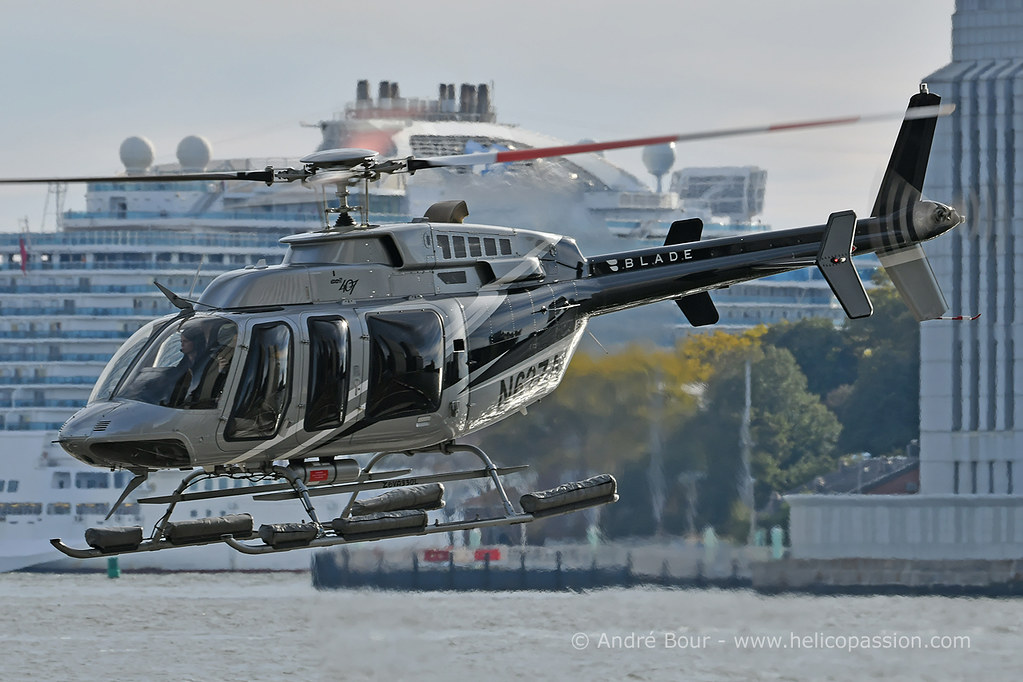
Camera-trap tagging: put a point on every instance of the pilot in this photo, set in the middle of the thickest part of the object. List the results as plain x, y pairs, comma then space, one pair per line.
193, 346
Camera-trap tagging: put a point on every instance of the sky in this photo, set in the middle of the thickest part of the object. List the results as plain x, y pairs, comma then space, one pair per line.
78, 78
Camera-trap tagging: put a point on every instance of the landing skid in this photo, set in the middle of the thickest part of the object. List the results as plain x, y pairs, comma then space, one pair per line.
399, 512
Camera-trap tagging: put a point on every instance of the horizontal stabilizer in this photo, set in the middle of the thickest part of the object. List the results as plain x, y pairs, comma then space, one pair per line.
698, 309
835, 262
912, 276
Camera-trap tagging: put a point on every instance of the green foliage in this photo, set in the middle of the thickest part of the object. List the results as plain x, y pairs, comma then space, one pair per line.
792, 432
881, 413
826, 354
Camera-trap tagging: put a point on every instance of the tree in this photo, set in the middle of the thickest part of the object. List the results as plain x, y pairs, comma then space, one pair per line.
881, 413
600, 420
825, 353
793, 433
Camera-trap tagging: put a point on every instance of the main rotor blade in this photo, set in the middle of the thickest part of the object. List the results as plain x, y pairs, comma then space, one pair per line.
507, 156
265, 175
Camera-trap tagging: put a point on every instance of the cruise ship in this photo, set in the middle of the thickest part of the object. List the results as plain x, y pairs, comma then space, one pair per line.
70, 297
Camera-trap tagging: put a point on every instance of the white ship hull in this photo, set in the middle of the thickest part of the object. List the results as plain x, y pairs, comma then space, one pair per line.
46, 481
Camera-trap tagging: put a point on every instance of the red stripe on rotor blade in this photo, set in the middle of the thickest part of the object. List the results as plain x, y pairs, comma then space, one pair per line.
527, 154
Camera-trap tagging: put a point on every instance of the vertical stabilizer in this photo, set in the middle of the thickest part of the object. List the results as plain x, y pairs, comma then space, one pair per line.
904, 178
904, 259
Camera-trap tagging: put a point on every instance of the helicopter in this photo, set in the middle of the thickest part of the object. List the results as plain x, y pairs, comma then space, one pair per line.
370, 341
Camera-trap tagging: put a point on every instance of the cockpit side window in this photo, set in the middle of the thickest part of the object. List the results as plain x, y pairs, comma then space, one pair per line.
186, 366
328, 373
265, 385
406, 357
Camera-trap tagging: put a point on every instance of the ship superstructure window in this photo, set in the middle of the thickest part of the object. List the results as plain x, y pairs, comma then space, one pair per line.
458, 243
98, 508
490, 246
12, 486
445, 246
61, 479
406, 356
328, 373
265, 384
128, 509
92, 479
21, 509
58, 508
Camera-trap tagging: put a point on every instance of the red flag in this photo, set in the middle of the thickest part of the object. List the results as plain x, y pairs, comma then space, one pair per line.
24, 255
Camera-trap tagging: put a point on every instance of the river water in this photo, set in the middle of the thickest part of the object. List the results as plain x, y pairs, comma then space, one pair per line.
276, 626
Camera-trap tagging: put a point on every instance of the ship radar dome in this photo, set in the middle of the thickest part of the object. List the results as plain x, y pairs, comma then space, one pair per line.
137, 154
658, 159
194, 153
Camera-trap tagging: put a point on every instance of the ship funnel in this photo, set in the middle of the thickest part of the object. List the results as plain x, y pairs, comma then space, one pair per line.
467, 103
483, 101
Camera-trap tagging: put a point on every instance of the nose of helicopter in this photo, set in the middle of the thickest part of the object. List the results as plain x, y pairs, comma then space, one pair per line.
75, 435
117, 434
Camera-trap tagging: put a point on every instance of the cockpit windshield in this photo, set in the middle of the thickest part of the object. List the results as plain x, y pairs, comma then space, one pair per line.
124, 357
186, 366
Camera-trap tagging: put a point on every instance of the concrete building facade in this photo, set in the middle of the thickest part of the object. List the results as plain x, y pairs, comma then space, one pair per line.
971, 375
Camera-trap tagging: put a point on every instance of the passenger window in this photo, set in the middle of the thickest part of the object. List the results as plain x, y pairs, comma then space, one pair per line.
264, 387
445, 246
474, 247
61, 479
505, 247
490, 246
58, 508
328, 375
406, 356
459, 243
12, 486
